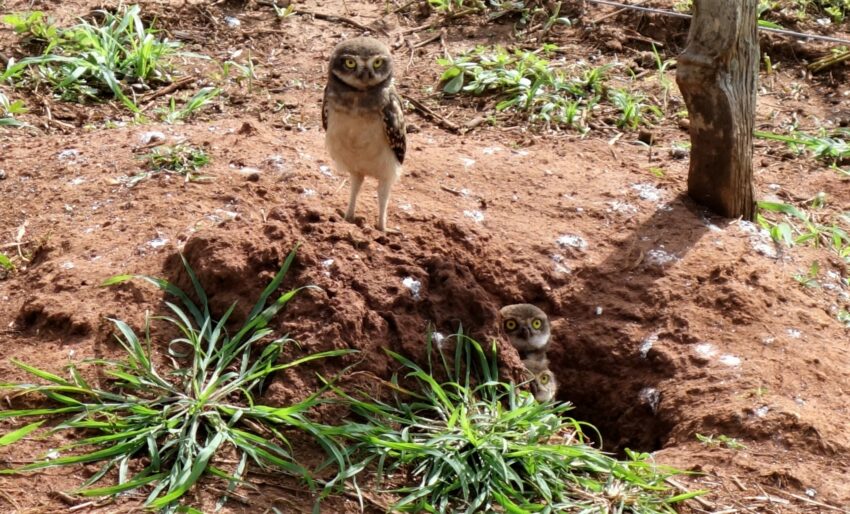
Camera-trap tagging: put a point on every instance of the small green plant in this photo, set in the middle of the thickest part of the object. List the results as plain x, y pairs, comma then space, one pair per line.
471, 443
161, 429
525, 82
632, 109
92, 59
8, 111
6, 264
200, 99
665, 83
180, 159
799, 227
844, 317
810, 278
721, 440
830, 147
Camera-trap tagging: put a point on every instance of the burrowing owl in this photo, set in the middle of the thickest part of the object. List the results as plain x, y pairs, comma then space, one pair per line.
363, 119
527, 328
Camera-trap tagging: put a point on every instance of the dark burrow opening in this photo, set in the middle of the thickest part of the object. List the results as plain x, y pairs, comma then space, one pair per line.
616, 393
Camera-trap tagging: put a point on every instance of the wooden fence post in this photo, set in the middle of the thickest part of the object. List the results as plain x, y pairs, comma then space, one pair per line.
717, 76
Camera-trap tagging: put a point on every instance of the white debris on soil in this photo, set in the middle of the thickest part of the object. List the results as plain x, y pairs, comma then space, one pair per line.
159, 242
77, 181
467, 162
326, 171
811, 493
659, 257
762, 411
67, 265
327, 263
769, 340
151, 137
438, 339
70, 154
414, 285
572, 241
622, 207
730, 360
490, 150
647, 344
560, 267
308, 192
760, 239
793, 333
706, 350
598, 310
651, 397
520, 153
476, 216
275, 162
232, 22
648, 192
406, 207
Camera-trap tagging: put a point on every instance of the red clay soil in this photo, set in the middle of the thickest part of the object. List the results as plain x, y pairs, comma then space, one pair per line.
667, 322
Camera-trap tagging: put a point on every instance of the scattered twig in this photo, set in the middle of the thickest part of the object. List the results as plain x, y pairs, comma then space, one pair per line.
702, 501
404, 6
614, 13
807, 500
433, 116
428, 41
174, 86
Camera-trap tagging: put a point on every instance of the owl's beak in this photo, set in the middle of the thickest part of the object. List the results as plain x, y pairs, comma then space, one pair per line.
524, 332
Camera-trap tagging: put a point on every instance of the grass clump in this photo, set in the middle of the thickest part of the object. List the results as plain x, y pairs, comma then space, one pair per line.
160, 428
528, 83
111, 57
10, 109
472, 443
791, 226
830, 147
181, 159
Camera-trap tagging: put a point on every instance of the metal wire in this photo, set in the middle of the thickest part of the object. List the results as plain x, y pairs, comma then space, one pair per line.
673, 14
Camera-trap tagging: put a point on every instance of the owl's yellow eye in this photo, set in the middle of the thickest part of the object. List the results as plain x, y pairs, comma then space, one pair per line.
510, 325
350, 64
377, 63
536, 324
543, 378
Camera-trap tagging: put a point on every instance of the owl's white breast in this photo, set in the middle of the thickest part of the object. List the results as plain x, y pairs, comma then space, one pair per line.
358, 144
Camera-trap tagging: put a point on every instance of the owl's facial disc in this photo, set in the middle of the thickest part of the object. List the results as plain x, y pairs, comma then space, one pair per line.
359, 72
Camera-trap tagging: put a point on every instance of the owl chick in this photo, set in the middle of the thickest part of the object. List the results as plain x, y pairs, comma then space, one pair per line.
543, 383
363, 119
528, 331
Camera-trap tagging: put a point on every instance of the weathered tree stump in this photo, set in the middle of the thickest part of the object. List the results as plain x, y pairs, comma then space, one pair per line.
717, 76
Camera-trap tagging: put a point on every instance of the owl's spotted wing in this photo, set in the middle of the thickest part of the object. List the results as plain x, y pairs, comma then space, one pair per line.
394, 126
325, 109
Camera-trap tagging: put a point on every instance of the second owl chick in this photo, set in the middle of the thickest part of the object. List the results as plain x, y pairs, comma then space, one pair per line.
364, 120
527, 328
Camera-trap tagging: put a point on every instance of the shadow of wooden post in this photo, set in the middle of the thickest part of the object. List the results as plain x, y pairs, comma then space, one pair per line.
717, 76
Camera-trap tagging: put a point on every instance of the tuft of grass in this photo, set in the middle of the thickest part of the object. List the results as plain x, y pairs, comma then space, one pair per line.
832, 148
10, 109
204, 96
810, 278
181, 159
472, 443
112, 57
800, 227
526, 82
632, 109
160, 428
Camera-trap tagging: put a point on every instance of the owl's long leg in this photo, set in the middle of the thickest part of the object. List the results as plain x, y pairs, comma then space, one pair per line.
356, 182
384, 187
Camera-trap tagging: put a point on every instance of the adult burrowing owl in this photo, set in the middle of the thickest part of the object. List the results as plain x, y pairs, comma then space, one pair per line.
527, 328
363, 119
